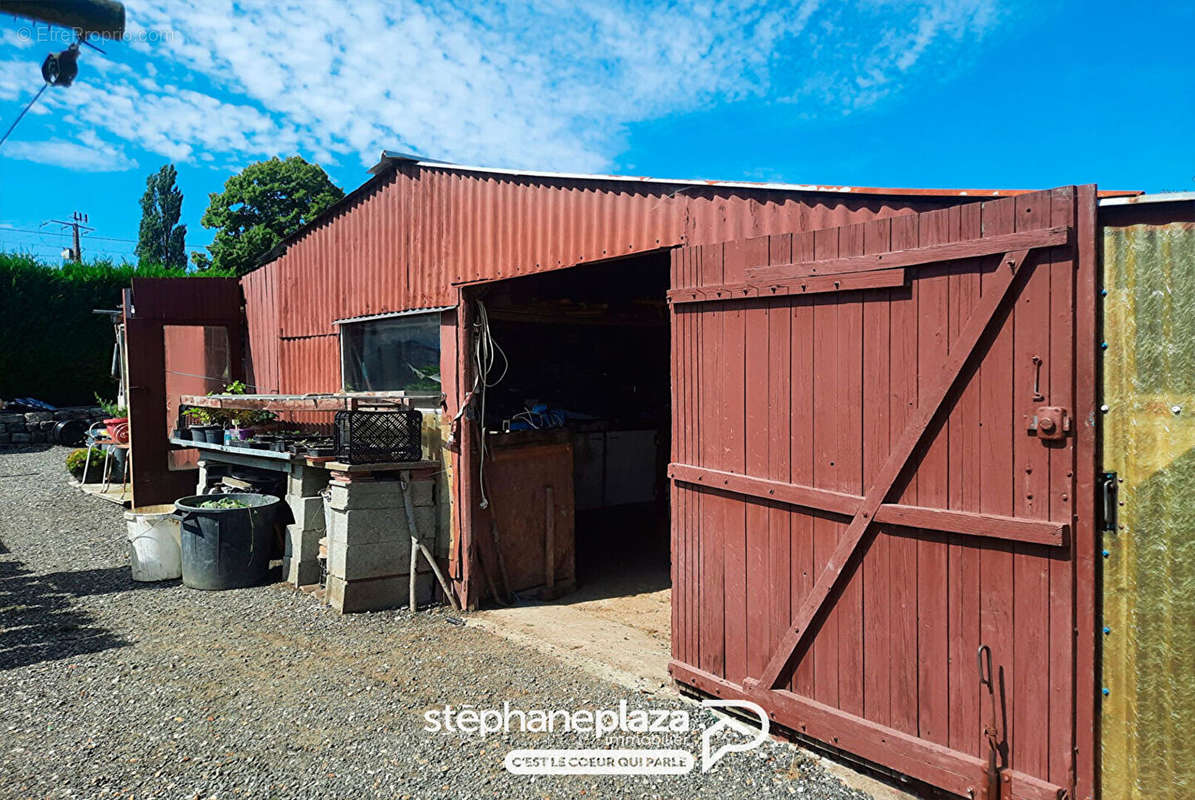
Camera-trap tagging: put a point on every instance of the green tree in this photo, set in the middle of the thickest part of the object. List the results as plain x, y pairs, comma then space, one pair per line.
260, 206
161, 241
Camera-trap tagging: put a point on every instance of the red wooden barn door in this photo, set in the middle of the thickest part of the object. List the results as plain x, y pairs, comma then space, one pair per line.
882, 460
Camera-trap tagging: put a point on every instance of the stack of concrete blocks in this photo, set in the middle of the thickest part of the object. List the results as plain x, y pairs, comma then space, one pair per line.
300, 559
369, 544
20, 429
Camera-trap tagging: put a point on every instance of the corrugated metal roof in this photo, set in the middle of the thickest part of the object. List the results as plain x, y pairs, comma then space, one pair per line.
1157, 197
391, 159
389, 156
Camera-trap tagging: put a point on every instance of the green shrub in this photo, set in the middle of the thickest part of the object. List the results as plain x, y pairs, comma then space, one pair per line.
77, 459
54, 348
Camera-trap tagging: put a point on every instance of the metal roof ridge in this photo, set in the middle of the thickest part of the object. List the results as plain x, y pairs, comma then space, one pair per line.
390, 155
1140, 198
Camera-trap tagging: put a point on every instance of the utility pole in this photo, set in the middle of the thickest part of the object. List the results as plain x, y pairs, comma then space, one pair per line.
78, 226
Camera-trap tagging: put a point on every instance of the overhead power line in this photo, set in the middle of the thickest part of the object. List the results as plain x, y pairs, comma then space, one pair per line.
63, 233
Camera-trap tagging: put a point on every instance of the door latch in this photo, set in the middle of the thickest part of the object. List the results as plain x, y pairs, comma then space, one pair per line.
1050, 423
1110, 489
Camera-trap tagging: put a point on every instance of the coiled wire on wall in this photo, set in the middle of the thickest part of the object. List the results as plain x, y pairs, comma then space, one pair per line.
486, 352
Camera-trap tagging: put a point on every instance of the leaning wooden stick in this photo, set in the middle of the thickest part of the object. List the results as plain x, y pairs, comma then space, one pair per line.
416, 544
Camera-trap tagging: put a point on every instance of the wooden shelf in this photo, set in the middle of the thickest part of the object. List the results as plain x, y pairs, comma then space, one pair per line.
350, 401
273, 455
387, 466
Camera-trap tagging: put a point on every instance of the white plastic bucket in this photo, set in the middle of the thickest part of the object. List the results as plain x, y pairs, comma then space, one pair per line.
154, 547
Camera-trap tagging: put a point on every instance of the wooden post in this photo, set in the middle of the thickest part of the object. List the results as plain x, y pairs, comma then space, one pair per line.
549, 542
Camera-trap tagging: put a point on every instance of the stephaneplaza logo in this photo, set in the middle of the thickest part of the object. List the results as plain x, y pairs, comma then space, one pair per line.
620, 724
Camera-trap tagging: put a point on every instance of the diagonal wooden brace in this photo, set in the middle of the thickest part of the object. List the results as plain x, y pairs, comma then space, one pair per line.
860, 526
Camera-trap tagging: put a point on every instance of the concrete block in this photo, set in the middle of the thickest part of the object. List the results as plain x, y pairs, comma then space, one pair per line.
366, 494
357, 561
302, 544
368, 525
21, 438
423, 493
305, 481
379, 593
300, 573
308, 511
380, 494
4, 438
12, 419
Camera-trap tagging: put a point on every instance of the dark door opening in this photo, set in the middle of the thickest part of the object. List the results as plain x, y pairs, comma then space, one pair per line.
586, 375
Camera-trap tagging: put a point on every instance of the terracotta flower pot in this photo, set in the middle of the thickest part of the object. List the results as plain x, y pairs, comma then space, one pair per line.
118, 429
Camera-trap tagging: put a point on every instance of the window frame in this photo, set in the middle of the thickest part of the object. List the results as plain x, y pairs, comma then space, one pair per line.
436, 313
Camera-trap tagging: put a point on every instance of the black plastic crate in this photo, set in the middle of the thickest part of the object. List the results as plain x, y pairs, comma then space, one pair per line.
371, 437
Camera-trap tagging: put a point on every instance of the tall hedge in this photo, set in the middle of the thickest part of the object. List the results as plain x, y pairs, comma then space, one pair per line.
51, 346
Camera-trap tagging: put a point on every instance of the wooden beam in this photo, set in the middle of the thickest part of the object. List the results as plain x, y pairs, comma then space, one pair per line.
835, 569
790, 493
936, 764
995, 526
969, 523
918, 256
878, 279
297, 402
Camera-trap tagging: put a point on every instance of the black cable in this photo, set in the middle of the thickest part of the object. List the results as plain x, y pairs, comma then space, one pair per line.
24, 111
64, 233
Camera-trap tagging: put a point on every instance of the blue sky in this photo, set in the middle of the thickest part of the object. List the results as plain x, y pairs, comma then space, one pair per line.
951, 93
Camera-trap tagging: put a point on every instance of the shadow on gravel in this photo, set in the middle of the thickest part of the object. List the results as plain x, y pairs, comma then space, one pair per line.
101, 581
38, 622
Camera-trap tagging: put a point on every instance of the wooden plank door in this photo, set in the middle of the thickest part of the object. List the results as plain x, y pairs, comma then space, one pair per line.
882, 461
157, 359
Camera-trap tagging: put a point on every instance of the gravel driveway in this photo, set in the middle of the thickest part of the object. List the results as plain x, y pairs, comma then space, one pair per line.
116, 689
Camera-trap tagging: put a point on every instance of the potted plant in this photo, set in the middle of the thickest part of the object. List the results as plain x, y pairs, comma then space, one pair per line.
117, 421
246, 422
204, 426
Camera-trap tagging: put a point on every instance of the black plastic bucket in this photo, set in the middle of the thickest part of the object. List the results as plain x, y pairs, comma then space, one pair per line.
226, 548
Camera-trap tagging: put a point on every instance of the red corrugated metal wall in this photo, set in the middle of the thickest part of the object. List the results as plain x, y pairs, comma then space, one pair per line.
264, 331
787, 411
407, 239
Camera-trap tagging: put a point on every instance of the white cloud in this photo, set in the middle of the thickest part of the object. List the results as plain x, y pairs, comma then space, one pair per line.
19, 38
545, 84
89, 154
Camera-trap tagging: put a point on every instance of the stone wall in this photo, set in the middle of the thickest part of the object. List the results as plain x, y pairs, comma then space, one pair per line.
24, 428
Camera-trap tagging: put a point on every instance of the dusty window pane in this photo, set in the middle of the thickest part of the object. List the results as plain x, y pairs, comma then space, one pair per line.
398, 354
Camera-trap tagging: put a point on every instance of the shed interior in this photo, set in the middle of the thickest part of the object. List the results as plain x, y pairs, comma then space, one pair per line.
584, 383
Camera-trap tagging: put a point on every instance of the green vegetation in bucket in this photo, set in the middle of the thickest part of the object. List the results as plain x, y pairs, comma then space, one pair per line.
224, 503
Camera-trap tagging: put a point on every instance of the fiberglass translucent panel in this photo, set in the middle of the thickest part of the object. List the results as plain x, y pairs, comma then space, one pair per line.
1148, 751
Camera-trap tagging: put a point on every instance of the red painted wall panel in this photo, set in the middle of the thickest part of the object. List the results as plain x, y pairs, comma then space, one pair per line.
404, 241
